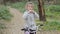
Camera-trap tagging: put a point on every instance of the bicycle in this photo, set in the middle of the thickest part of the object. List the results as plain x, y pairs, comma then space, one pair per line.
30, 31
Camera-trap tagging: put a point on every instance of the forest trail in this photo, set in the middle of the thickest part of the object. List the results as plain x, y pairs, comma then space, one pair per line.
17, 21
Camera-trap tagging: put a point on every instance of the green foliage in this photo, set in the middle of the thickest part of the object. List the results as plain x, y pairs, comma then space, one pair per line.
21, 6
2, 26
52, 15
52, 11
52, 26
4, 13
54, 8
49, 25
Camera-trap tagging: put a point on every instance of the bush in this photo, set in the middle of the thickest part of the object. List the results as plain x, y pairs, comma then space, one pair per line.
52, 11
4, 13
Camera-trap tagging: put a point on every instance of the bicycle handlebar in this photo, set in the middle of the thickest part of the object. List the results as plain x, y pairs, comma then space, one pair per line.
27, 30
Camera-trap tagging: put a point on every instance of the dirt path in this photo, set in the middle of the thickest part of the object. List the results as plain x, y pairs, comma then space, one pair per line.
16, 22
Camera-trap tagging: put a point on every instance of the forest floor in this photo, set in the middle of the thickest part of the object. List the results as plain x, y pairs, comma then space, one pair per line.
17, 21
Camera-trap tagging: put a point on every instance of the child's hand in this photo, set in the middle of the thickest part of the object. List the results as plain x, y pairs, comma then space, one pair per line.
31, 11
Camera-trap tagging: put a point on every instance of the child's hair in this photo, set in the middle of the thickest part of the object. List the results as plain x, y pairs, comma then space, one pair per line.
29, 3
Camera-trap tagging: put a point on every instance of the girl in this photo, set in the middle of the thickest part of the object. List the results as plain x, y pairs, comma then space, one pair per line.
29, 16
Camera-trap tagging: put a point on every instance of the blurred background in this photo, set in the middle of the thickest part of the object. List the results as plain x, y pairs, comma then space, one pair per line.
51, 8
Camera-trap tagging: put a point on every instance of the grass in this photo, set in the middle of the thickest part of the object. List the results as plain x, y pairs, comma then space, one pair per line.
52, 15
4, 13
51, 25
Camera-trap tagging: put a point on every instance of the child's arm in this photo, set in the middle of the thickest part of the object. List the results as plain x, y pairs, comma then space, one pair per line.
36, 15
25, 15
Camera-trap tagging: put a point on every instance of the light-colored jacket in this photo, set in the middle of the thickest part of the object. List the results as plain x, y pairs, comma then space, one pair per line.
30, 19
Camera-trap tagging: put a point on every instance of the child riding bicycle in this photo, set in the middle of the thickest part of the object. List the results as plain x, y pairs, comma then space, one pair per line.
29, 16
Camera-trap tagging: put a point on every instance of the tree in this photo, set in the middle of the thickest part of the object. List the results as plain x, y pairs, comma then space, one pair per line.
41, 10
4, 1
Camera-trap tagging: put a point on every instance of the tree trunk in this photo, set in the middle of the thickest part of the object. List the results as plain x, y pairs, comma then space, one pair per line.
29, 0
13, 1
19, 0
41, 11
4, 2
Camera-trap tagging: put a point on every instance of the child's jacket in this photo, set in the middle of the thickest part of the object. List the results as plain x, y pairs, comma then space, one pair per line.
30, 19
